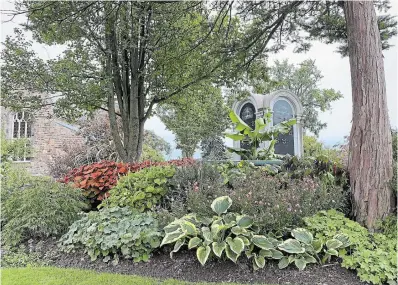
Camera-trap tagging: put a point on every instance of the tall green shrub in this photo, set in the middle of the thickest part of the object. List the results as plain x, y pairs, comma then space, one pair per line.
40, 209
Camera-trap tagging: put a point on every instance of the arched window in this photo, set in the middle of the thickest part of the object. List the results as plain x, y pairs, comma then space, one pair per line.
22, 125
283, 111
22, 129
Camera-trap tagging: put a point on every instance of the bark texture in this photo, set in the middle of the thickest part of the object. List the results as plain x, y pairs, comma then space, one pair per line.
370, 159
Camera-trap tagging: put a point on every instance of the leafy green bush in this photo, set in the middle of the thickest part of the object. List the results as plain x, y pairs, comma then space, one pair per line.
111, 232
40, 209
373, 256
279, 204
140, 190
388, 226
189, 178
237, 234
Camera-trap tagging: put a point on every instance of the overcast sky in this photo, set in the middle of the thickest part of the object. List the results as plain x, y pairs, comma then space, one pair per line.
335, 69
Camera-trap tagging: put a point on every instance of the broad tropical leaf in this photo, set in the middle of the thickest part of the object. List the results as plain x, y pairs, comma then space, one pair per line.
291, 246
221, 204
302, 235
202, 253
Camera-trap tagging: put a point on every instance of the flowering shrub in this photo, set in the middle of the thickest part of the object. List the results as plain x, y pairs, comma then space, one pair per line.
98, 178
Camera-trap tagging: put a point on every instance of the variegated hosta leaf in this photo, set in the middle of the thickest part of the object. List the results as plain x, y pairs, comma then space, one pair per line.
302, 235
262, 242
173, 237
245, 240
230, 254
220, 205
238, 231
207, 234
235, 244
218, 248
244, 221
283, 263
194, 242
260, 261
177, 246
309, 258
189, 228
300, 263
317, 245
202, 253
333, 244
265, 253
332, 251
291, 246
344, 240
276, 254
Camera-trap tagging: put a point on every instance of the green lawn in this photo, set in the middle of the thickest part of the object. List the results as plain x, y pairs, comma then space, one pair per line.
60, 276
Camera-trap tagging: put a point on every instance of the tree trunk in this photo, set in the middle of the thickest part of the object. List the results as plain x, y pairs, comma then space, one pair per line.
370, 158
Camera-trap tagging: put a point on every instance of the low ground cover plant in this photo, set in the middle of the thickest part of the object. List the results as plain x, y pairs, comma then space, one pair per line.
40, 208
372, 255
140, 190
113, 232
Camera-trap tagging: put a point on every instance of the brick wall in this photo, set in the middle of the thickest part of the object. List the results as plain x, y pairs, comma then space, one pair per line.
49, 135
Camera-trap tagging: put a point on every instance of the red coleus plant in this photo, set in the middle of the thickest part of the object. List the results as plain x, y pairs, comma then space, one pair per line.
98, 178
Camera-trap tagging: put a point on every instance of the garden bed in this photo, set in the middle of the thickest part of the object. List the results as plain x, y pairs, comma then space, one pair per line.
185, 266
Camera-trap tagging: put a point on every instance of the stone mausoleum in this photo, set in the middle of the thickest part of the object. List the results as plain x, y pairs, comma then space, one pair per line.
284, 105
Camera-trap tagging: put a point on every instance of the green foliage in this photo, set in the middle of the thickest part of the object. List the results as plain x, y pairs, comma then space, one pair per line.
20, 257
231, 171
303, 80
314, 148
14, 149
388, 226
262, 132
203, 112
113, 232
141, 190
279, 203
373, 256
231, 233
40, 208
329, 171
303, 249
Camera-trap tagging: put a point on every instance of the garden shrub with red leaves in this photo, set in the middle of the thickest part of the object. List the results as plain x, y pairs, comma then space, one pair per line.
98, 178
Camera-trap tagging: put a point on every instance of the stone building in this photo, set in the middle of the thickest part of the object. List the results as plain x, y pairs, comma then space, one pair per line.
47, 135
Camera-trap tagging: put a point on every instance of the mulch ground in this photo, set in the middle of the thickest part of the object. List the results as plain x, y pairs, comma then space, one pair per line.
184, 266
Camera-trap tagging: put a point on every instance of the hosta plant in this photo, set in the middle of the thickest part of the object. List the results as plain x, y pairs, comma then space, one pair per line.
113, 232
302, 248
225, 234
141, 190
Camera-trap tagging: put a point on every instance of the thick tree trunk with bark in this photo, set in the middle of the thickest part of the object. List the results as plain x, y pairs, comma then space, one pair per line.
370, 159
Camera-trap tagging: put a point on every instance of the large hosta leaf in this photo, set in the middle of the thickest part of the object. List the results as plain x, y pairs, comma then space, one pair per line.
333, 244
300, 263
230, 254
202, 253
194, 242
189, 228
262, 242
221, 204
237, 245
172, 237
302, 235
177, 246
276, 254
218, 248
344, 240
283, 263
291, 246
260, 261
244, 221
